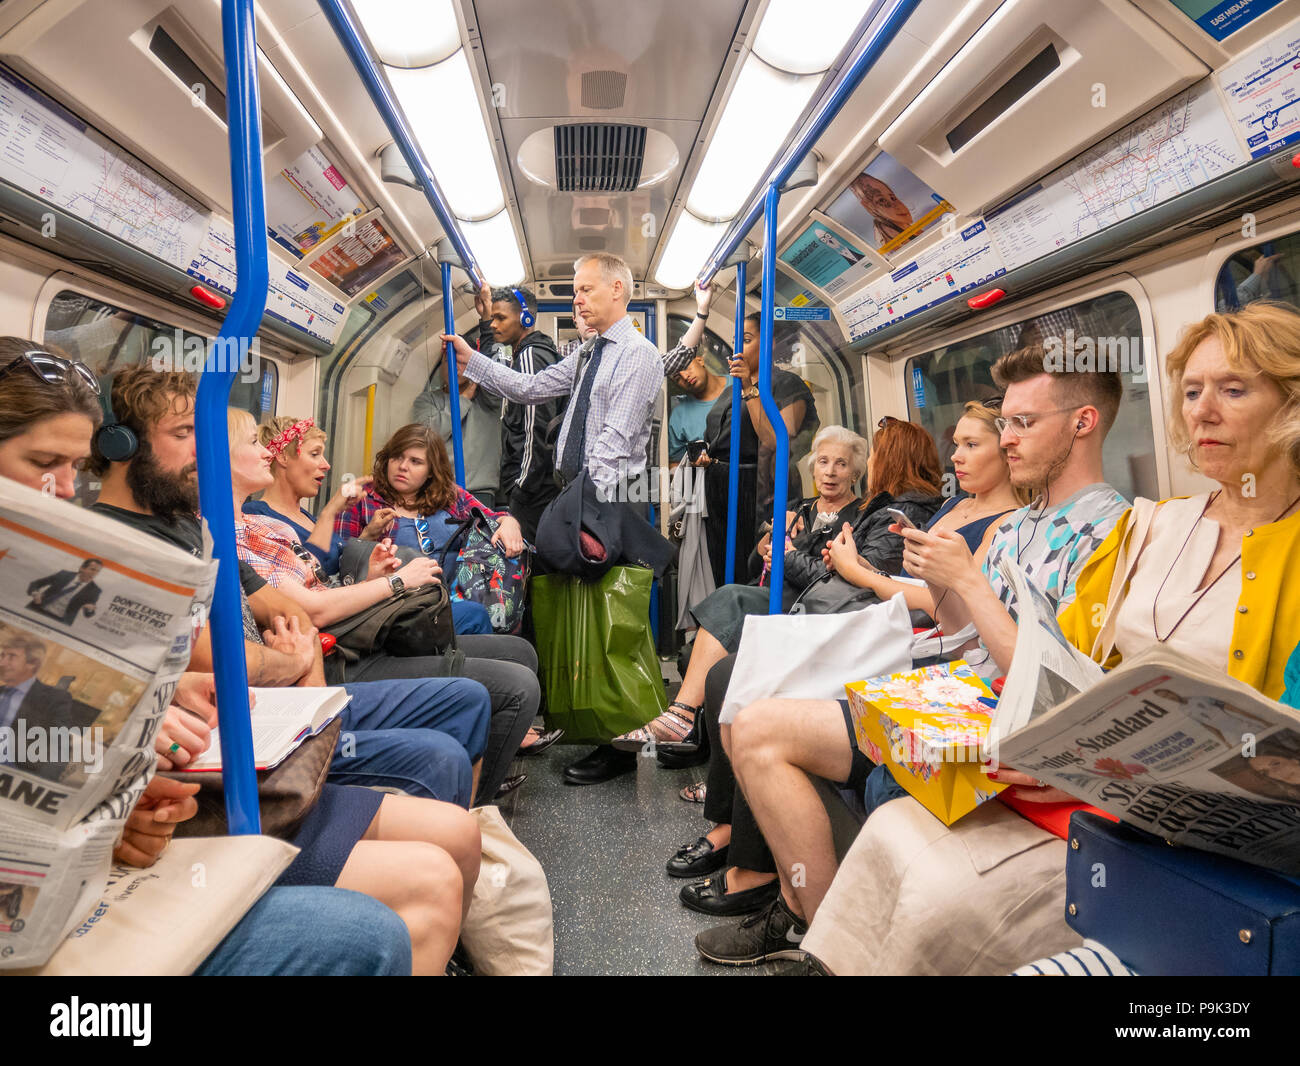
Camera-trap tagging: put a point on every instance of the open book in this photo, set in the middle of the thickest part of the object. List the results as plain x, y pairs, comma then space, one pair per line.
1165, 744
282, 719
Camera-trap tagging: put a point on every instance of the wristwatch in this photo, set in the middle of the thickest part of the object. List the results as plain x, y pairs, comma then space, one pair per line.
750, 393
396, 584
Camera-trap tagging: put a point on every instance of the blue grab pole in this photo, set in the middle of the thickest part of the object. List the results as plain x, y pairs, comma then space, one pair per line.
244, 117
453, 378
781, 460
737, 413
858, 68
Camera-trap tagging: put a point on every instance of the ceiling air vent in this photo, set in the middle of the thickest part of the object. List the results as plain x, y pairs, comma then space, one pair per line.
603, 90
598, 157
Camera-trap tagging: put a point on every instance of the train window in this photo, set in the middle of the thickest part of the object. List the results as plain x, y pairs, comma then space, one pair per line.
108, 338
1267, 271
940, 382
258, 396
716, 350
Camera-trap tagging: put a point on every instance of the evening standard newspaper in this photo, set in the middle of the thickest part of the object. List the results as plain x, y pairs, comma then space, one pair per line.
96, 621
1165, 744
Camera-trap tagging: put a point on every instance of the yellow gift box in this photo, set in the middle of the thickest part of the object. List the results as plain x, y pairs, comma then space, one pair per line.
929, 728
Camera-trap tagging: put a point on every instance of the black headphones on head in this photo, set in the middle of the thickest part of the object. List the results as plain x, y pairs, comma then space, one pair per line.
114, 441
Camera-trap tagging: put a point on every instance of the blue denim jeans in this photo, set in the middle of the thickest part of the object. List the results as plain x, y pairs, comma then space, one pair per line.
313, 932
880, 789
419, 735
469, 618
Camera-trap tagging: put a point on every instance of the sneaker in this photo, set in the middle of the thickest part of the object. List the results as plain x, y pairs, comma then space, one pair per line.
773, 933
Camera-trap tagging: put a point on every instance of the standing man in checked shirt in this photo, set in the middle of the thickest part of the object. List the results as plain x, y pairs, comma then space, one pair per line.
607, 421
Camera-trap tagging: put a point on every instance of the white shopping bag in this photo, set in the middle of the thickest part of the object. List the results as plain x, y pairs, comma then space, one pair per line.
813, 656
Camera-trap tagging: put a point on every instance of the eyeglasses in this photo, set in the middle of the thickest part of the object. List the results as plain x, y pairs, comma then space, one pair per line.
52, 369
1022, 424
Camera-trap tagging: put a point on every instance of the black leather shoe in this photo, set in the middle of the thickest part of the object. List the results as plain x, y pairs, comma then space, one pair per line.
510, 784
670, 761
543, 741
698, 859
603, 764
711, 897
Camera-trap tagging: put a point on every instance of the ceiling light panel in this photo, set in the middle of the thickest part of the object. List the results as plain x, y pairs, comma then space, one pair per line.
689, 245
442, 107
762, 109
410, 33
496, 249
805, 36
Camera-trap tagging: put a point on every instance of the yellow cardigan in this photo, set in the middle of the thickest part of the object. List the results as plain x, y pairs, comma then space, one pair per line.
1264, 633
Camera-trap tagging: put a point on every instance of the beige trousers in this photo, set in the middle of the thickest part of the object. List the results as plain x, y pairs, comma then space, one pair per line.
914, 896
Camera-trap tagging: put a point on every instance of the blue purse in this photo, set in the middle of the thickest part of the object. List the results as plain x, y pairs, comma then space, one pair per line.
1170, 910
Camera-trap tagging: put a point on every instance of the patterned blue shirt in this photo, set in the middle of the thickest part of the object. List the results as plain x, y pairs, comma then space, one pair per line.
627, 382
1051, 546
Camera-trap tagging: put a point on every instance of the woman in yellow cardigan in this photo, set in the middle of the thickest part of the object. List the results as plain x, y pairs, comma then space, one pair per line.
1214, 577
1233, 553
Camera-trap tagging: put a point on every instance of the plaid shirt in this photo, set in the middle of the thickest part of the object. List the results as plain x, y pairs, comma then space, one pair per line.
627, 382
267, 545
351, 522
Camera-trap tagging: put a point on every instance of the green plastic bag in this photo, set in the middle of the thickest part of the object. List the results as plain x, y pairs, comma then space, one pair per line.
596, 653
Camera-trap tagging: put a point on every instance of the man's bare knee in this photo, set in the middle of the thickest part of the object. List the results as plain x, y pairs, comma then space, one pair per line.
756, 732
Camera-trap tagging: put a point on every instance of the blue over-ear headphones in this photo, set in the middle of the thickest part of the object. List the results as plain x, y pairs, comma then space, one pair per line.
115, 442
526, 318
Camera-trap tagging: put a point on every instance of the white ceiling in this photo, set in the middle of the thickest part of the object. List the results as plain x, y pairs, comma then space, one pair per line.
671, 51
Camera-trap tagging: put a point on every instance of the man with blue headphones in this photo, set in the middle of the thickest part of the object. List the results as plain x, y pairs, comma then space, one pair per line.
508, 317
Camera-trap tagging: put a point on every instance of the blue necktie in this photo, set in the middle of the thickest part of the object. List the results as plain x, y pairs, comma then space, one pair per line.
8, 712
575, 442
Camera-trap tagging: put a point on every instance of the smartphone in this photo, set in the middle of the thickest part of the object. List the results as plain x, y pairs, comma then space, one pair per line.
903, 520
695, 449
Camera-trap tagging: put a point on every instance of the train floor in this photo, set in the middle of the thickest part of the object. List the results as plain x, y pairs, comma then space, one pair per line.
604, 848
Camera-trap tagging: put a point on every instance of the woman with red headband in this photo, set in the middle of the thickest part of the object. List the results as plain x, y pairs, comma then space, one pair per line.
298, 463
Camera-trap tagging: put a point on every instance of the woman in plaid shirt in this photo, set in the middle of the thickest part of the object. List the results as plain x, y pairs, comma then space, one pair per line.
415, 501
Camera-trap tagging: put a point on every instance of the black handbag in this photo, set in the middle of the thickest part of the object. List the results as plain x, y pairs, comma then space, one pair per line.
416, 621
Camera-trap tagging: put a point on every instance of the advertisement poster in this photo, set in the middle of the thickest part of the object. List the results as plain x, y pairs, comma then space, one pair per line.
826, 259
356, 261
888, 205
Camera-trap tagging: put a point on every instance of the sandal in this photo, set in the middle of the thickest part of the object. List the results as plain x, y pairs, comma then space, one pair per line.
694, 793
666, 733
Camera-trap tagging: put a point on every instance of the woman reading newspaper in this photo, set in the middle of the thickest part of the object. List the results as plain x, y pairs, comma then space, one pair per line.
1216, 579
418, 856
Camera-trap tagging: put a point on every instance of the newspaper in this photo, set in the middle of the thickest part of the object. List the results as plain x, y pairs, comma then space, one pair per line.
96, 622
1046, 668
1165, 744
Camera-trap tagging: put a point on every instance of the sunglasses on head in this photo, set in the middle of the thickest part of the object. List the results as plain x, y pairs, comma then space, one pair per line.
887, 421
993, 403
53, 369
